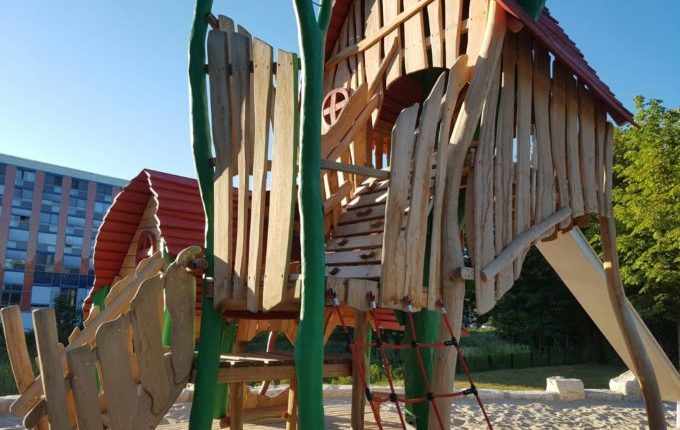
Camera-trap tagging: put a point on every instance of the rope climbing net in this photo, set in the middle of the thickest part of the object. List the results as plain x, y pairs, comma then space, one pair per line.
357, 348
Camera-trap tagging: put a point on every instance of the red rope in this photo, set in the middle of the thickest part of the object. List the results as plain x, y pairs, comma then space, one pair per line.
357, 349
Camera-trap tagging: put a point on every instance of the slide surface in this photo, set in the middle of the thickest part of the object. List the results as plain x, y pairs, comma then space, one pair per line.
581, 270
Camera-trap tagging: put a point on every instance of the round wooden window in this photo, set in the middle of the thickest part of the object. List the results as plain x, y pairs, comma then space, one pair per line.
146, 246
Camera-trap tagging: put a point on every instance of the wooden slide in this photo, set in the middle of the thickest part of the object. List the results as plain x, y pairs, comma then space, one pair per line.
581, 270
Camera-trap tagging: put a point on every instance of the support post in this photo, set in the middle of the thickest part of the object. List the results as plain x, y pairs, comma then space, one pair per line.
309, 344
358, 393
212, 326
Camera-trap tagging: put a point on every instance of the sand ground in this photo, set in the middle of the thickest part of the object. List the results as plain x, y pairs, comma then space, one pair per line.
504, 414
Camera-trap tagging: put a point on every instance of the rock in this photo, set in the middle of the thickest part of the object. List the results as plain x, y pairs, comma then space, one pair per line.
626, 384
565, 388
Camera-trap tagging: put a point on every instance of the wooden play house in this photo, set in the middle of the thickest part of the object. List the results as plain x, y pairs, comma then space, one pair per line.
451, 129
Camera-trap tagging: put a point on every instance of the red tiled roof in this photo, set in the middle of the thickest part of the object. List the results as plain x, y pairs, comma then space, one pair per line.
180, 215
546, 30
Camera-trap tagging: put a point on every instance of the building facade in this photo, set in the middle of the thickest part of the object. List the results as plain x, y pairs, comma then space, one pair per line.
49, 217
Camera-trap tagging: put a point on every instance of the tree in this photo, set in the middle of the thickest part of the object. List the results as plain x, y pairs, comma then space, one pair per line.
647, 210
68, 316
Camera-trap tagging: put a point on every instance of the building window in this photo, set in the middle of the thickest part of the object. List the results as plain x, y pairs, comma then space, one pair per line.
11, 294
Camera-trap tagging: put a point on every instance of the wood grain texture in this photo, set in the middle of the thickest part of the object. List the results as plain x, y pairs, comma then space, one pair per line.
587, 146
372, 55
600, 144
436, 26
545, 195
390, 10
523, 163
558, 134
262, 104
573, 153
392, 289
17, 351
180, 296
50, 353
116, 375
284, 172
416, 228
415, 53
220, 99
477, 27
81, 362
503, 165
148, 344
453, 11
241, 108
483, 233
457, 79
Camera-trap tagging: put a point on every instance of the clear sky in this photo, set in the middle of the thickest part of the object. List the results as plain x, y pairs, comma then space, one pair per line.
101, 85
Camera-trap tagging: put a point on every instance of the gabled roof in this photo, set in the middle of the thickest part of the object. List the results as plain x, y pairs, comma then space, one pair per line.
546, 30
180, 215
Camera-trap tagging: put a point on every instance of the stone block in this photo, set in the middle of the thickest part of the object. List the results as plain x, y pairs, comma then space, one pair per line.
626, 384
565, 388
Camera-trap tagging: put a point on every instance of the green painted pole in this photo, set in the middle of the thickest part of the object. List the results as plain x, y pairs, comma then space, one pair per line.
309, 343
206, 395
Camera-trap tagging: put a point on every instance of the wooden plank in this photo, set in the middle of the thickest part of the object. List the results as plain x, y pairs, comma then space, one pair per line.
558, 134
355, 104
390, 10
393, 278
503, 177
180, 299
353, 257
17, 351
359, 228
146, 269
600, 143
365, 214
436, 25
117, 380
523, 241
218, 59
342, 71
240, 374
241, 99
50, 353
545, 196
452, 15
523, 164
81, 362
148, 344
415, 53
355, 242
356, 169
372, 54
477, 22
284, 171
341, 146
369, 271
608, 168
351, 40
360, 369
292, 418
218, 54
368, 199
262, 100
587, 146
484, 249
388, 27
573, 157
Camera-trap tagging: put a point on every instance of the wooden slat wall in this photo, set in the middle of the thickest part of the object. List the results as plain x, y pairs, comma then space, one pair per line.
429, 38
557, 146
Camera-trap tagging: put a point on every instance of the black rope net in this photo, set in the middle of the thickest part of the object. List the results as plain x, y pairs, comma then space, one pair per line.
357, 349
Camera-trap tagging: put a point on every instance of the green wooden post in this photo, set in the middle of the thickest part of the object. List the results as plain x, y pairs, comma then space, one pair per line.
208, 397
309, 344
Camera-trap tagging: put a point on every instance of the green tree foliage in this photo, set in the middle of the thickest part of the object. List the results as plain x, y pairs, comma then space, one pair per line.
647, 211
647, 208
540, 311
68, 316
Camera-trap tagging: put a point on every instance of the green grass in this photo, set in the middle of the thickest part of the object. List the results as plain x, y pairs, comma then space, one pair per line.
592, 375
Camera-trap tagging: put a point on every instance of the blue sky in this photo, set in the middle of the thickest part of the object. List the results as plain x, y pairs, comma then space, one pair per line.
101, 86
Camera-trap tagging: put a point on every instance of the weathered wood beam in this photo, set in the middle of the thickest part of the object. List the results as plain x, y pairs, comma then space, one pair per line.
352, 168
523, 241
